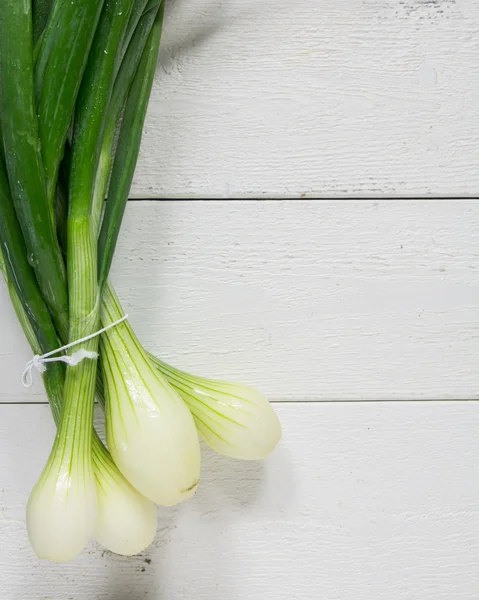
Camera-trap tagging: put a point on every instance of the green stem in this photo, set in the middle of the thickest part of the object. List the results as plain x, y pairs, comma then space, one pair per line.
79, 393
128, 148
41, 11
135, 15
19, 271
120, 92
23, 156
61, 62
61, 210
53, 380
2, 150
152, 4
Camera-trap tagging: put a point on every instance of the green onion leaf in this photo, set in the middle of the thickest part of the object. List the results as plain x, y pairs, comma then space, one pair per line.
20, 273
128, 149
41, 11
121, 89
63, 506
135, 15
23, 156
62, 59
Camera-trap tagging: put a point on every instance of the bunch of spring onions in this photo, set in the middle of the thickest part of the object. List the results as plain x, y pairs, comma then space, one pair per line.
75, 79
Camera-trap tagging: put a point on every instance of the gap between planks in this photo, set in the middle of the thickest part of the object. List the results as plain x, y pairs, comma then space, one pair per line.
305, 402
303, 198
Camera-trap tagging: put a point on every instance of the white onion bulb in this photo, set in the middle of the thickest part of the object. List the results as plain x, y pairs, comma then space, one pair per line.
233, 419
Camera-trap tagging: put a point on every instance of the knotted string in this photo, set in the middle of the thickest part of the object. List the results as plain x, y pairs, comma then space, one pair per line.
38, 362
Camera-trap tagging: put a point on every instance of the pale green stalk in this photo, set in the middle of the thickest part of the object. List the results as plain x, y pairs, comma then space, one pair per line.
93, 100
54, 387
65, 500
145, 417
127, 521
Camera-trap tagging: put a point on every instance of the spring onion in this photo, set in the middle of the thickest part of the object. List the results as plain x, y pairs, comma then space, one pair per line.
75, 76
147, 423
126, 522
233, 419
67, 485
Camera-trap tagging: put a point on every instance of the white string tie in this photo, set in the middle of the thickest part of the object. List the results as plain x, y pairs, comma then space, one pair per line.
39, 362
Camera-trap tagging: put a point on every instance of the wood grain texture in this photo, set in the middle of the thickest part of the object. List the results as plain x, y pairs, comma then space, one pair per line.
359, 501
259, 98
306, 300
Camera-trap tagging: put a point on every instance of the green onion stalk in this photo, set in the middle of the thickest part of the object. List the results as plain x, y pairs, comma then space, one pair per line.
121, 89
233, 419
86, 83
144, 415
62, 58
23, 158
127, 521
71, 456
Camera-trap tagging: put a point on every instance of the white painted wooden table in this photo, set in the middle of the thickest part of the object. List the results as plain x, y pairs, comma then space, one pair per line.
359, 318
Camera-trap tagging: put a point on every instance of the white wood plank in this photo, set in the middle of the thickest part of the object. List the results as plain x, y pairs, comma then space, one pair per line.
312, 300
376, 501
259, 98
